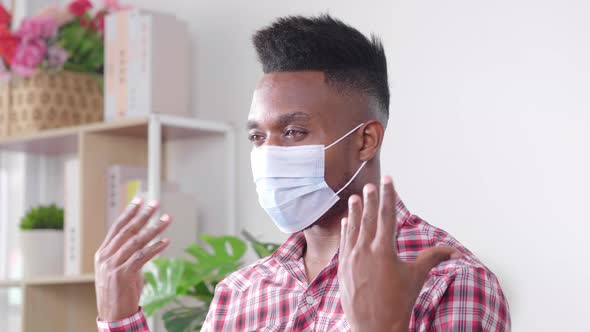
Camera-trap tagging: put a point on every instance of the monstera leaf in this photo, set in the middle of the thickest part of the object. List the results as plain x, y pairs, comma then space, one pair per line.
261, 249
174, 279
224, 257
183, 319
162, 284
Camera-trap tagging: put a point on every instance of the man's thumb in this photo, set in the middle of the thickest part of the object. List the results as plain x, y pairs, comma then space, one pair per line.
430, 258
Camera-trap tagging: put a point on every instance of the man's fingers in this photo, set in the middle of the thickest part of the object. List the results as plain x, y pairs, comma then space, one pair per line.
141, 257
430, 258
140, 240
387, 225
343, 230
370, 215
132, 228
355, 210
127, 215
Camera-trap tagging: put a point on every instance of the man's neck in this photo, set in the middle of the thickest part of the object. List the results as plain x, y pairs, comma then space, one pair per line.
322, 241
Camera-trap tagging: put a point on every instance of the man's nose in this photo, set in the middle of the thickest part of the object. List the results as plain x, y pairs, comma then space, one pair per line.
274, 139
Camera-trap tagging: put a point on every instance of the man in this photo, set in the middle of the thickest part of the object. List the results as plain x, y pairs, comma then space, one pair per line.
357, 260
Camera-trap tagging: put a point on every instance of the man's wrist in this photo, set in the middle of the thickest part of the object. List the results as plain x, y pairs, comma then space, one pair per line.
115, 317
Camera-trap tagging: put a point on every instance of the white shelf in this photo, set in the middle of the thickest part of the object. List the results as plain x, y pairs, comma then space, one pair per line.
48, 280
65, 140
10, 283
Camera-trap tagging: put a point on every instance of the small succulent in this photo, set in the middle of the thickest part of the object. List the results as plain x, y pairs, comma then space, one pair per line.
43, 217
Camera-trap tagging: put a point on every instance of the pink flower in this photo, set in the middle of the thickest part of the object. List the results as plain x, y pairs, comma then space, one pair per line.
97, 23
56, 56
8, 44
79, 7
114, 5
61, 16
28, 55
44, 27
5, 16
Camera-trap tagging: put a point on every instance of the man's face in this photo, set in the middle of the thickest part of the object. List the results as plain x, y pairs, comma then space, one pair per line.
300, 108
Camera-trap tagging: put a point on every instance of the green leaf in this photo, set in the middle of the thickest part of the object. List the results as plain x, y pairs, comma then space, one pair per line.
172, 279
261, 249
264, 249
85, 47
184, 319
224, 257
161, 287
43, 217
204, 291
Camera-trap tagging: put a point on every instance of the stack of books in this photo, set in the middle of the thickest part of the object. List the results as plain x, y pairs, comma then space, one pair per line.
147, 65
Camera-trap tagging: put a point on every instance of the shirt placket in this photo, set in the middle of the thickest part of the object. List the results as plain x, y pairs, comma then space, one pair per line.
309, 301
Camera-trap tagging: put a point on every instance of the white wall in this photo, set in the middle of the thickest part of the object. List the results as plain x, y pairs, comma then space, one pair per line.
487, 136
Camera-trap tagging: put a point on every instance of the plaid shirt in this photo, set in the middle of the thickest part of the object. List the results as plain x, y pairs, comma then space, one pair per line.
273, 294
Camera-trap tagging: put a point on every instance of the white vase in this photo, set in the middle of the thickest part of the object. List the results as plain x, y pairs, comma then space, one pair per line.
43, 252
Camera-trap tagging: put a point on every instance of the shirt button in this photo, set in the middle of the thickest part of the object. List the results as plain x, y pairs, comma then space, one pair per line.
309, 299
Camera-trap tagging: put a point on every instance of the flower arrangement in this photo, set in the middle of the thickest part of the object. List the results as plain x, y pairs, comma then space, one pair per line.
56, 38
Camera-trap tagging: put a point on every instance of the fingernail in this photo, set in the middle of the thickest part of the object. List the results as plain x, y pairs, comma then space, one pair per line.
386, 179
369, 188
352, 200
165, 218
153, 203
137, 200
343, 222
165, 240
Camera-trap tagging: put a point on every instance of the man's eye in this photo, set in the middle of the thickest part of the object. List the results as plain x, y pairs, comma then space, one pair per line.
293, 133
255, 137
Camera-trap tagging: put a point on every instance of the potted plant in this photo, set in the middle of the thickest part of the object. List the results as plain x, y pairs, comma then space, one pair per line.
182, 290
42, 241
51, 67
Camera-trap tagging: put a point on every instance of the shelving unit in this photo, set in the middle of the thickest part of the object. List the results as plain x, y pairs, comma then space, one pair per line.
68, 303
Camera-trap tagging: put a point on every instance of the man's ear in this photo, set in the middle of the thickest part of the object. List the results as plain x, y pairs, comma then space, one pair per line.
372, 139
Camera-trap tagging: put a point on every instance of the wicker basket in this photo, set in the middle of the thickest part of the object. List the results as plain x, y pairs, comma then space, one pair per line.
4, 106
49, 100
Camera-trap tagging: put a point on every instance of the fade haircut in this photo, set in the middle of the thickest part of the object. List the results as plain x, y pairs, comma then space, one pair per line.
348, 59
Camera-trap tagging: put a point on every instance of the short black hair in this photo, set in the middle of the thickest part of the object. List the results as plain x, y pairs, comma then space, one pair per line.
347, 57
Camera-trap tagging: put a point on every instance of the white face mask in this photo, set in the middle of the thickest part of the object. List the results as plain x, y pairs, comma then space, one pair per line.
291, 185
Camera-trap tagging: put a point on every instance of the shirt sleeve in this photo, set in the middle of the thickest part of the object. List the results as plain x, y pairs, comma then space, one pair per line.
473, 301
135, 323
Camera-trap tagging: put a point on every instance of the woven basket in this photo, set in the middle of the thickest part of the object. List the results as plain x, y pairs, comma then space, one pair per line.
49, 100
4, 106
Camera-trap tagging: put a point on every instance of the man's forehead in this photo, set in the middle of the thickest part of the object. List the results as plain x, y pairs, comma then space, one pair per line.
294, 96
286, 97
278, 118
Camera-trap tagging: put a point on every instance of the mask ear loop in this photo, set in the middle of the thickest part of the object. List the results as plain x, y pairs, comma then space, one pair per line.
352, 178
362, 165
343, 137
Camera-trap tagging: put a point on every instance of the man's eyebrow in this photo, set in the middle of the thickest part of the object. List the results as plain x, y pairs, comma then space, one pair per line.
251, 124
283, 120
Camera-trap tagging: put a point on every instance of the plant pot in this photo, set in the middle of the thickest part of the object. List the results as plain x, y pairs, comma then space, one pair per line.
43, 252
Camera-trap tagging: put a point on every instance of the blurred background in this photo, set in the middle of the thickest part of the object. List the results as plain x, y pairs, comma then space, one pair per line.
488, 139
